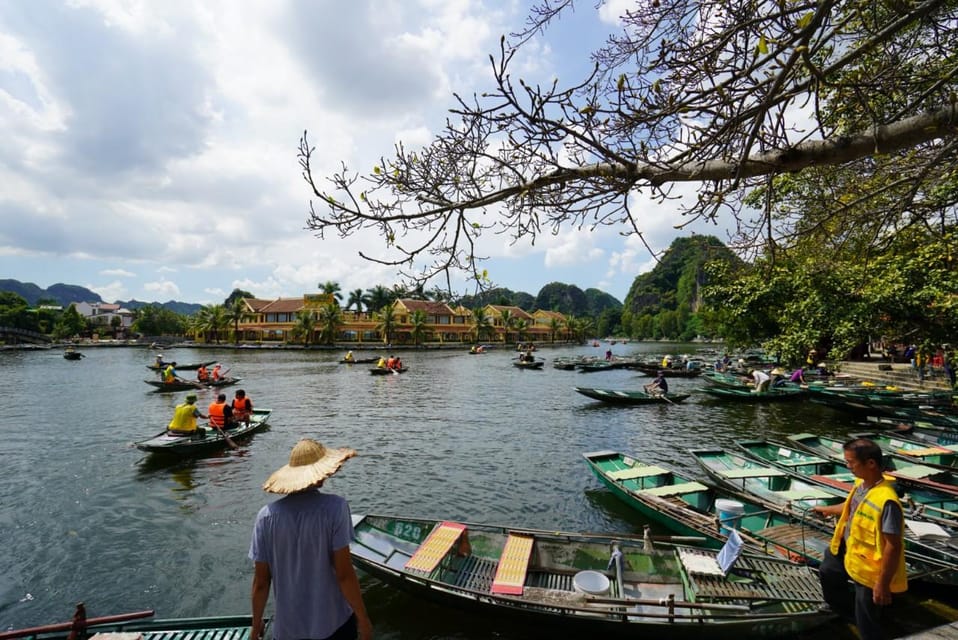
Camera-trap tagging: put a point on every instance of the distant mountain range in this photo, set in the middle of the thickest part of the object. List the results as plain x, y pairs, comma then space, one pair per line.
66, 294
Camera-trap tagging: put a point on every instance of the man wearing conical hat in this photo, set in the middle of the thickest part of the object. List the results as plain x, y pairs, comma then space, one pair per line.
300, 548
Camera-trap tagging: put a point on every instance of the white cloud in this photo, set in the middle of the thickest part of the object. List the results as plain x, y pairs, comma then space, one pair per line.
119, 273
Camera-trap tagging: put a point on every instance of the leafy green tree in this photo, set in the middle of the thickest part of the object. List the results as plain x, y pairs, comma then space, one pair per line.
69, 324
358, 300
378, 297
555, 327
418, 319
235, 313
386, 319
13, 310
304, 326
481, 324
332, 288
237, 294
330, 319
508, 322
155, 320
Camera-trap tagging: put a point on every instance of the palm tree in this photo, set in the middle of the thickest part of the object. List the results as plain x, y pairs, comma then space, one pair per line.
330, 321
358, 299
481, 324
507, 319
555, 326
332, 288
378, 297
210, 321
387, 322
520, 325
305, 324
418, 319
236, 312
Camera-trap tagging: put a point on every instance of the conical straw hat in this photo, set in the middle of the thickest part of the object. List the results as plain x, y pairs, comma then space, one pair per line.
309, 464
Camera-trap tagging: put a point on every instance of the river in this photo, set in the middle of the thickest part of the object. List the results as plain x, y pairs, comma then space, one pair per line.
85, 516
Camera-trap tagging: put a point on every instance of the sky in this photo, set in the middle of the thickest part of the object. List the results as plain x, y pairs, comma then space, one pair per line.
148, 149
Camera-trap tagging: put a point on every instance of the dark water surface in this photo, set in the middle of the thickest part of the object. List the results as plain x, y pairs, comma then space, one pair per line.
85, 516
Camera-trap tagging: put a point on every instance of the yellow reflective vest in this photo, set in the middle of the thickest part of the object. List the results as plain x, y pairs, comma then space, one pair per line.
863, 549
184, 418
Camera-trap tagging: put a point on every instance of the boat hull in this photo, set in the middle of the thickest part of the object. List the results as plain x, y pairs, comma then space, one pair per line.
166, 444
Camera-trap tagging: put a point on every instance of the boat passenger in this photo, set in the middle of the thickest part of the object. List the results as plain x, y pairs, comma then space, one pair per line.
381, 363
798, 376
349, 357
221, 414
473, 349
391, 362
778, 377
667, 362
159, 361
659, 386
202, 374
216, 376
184, 418
528, 357
169, 374
242, 407
762, 380
397, 363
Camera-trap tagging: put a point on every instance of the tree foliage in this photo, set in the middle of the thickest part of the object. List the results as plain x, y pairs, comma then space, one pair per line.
721, 93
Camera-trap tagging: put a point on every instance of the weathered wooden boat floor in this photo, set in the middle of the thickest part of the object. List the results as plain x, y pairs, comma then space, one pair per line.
794, 535
234, 633
779, 585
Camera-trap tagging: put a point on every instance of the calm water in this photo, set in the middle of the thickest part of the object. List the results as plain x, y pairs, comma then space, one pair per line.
85, 516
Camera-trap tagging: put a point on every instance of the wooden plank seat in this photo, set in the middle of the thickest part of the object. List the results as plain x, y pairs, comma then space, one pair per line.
916, 471
435, 547
751, 472
642, 471
674, 489
513, 565
924, 451
808, 493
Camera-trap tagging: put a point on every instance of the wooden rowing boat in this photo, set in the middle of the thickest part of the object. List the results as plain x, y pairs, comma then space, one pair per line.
385, 371
630, 397
589, 585
207, 438
691, 508
522, 364
136, 624
186, 385
774, 394
182, 367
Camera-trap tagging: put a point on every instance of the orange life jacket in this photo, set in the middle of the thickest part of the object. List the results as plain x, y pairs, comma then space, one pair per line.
216, 373
242, 408
217, 416
202, 374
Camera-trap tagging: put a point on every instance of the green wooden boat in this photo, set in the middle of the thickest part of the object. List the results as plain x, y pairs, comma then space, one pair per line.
182, 367
907, 471
930, 555
630, 397
933, 455
523, 364
207, 438
774, 394
589, 585
187, 385
725, 379
691, 508
211, 628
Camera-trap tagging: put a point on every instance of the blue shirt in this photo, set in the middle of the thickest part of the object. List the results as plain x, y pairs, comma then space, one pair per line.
296, 536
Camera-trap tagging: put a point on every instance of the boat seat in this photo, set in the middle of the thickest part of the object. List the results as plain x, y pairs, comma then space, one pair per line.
809, 493
513, 565
926, 451
752, 472
642, 471
916, 471
435, 547
674, 489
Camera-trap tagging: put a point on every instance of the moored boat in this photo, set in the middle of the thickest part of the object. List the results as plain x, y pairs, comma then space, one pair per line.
206, 439
774, 394
589, 585
185, 385
690, 508
137, 626
612, 396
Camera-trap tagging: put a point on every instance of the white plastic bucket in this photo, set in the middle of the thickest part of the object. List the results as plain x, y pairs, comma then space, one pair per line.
591, 583
730, 512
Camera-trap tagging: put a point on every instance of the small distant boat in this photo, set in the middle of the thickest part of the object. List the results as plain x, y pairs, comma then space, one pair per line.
630, 397
360, 360
383, 371
589, 585
185, 385
207, 438
73, 354
523, 364
181, 367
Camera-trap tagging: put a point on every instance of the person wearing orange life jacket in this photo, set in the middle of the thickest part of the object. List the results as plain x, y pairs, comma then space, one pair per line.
202, 374
391, 362
221, 413
242, 407
868, 544
216, 376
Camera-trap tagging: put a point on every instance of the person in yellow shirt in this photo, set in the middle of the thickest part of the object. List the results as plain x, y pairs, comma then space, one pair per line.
868, 544
184, 418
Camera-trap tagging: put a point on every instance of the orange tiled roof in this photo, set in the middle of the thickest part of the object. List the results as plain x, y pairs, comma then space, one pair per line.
428, 306
516, 312
283, 305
